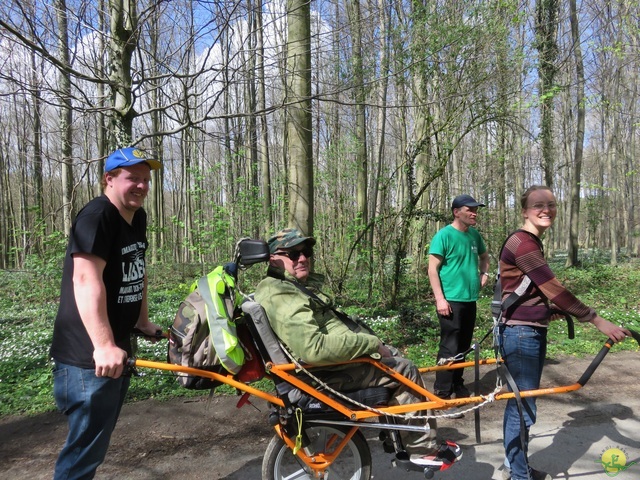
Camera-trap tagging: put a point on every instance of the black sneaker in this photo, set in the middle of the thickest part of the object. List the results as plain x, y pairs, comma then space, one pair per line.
535, 474
443, 395
461, 391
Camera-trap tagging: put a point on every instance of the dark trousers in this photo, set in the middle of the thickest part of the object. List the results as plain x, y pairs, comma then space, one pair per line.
456, 333
363, 375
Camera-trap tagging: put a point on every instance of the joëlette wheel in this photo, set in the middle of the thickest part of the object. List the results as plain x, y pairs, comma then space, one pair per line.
353, 463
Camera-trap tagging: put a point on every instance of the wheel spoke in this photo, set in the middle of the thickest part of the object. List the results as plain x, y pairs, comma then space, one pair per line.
299, 475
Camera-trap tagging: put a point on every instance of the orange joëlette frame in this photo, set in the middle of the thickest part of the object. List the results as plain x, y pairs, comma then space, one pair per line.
433, 402
319, 462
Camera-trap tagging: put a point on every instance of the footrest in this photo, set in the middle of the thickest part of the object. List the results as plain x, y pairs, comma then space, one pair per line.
448, 453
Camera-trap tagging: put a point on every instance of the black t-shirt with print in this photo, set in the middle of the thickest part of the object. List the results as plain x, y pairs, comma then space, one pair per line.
100, 230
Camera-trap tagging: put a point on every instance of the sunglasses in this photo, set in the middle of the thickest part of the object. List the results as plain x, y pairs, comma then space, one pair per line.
539, 207
294, 255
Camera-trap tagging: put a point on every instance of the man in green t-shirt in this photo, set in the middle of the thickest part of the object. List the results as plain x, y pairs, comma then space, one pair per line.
458, 265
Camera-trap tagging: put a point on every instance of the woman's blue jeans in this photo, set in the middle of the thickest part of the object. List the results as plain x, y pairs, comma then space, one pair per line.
92, 406
523, 349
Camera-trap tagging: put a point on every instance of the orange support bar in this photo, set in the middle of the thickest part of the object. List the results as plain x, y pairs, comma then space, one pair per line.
453, 366
433, 402
227, 379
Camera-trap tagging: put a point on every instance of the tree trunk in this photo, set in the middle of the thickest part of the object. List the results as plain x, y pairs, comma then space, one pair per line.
574, 215
253, 184
546, 30
36, 99
265, 171
156, 204
101, 120
375, 200
299, 116
360, 118
66, 116
122, 43
228, 158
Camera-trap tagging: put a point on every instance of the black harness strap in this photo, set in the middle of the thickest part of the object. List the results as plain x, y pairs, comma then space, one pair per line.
476, 389
353, 325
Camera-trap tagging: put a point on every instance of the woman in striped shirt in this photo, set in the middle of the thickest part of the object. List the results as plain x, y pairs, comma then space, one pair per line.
523, 331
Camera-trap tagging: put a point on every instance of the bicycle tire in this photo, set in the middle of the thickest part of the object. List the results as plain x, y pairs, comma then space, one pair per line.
353, 463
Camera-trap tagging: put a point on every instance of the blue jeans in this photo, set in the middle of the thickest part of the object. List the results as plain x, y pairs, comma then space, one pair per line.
523, 349
92, 406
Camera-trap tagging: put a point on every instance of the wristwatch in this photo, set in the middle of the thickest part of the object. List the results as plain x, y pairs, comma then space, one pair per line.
485, 273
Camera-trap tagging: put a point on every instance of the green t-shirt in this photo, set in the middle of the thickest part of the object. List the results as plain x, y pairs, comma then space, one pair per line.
459, 269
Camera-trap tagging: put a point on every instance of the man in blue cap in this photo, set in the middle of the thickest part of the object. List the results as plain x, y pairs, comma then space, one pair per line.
458, 268
103, 298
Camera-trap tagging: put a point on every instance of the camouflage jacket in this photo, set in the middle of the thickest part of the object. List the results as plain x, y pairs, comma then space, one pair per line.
311, 330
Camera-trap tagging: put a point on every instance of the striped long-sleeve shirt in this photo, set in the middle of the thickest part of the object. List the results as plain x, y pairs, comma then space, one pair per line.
523, 255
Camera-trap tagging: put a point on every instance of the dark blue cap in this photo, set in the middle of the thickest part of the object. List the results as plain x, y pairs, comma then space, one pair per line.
465, 201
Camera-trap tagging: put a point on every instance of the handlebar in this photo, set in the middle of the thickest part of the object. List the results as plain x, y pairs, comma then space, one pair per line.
600, 356
570, 328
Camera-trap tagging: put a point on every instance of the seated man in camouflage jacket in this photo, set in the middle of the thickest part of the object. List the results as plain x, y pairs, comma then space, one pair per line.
306, 322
